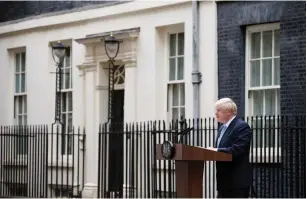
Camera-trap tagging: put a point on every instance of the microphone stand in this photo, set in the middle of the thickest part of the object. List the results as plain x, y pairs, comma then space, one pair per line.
184, 132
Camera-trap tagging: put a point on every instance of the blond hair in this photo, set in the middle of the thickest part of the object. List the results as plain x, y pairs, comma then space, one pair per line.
226, 104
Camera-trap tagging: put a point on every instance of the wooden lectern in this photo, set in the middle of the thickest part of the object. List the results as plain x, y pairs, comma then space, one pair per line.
189, 162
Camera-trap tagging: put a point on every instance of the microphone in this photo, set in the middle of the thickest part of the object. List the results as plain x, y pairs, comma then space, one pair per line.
184, 132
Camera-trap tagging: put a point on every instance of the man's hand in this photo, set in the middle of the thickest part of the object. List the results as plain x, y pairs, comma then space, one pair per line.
212, 148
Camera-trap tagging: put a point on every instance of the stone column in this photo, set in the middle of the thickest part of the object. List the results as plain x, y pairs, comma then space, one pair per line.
129, 116
91, 144
130, 91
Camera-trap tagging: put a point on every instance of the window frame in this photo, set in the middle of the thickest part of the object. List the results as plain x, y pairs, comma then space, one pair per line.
170, 83
274, 151
23, 95
66, 91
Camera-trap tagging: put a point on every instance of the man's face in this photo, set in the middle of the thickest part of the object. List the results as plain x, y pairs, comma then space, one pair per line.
222, 116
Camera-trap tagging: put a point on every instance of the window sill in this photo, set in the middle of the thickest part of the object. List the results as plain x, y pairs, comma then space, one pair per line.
61, 162
265, 155
21, 160
15, 163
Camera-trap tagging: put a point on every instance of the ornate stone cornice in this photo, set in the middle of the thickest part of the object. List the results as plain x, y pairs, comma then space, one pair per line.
119, 34
95, 52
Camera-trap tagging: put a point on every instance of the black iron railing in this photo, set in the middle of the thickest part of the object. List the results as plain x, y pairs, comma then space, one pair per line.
128, 167
37, 161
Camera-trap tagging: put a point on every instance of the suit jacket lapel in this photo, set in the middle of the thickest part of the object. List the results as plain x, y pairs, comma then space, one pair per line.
229, 129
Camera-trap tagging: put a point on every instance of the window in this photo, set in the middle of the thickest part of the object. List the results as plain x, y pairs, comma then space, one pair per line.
176, 86
20, 101
263, 83
67, 105
264, 72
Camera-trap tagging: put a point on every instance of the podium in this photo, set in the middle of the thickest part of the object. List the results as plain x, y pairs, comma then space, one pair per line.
189, 163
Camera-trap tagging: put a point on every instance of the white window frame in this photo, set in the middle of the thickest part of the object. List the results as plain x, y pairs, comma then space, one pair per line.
23, 94
174, 30
248, 109
66, 91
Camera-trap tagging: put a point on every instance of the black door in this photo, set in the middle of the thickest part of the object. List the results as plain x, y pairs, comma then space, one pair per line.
116, 163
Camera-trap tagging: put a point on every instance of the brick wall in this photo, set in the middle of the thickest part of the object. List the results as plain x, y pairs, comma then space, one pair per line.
13, 10
233, 17
232, 20
293, 58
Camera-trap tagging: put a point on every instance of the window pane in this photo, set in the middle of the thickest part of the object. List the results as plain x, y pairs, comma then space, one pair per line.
181, 44
180, 68
64, 119
270, 102
255, 73
175, 113
67, 78
64, 101
182, 113
69, 124
25, 119
257, 133
121, 82
23, 82
70, 140
64, 146
255, 45
267, 44
22, 144
258, 103
277, 71
23, 61
172, 48
175, 95
172, 68
70, 101
269, 133
266, 72
67, 61
276, 42
25, 104
62, 78
19, 120
17, 62
20, 105
182, 94
17, 83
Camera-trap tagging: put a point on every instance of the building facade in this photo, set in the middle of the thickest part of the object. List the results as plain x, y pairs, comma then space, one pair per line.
262, 66
153, 80
253, 52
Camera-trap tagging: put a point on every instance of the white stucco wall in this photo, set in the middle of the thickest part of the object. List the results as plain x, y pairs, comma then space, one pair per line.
151, 88
149, 103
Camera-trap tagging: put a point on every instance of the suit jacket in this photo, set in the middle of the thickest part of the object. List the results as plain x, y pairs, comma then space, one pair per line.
236, 141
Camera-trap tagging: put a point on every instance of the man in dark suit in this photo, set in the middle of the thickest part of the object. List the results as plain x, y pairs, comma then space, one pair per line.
234, 178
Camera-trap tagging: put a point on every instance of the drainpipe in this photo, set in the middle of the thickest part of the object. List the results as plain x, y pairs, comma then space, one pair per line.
196, 75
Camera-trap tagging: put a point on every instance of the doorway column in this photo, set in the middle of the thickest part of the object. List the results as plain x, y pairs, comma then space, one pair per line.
91, 128
130, 110
130, 91
96, 103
